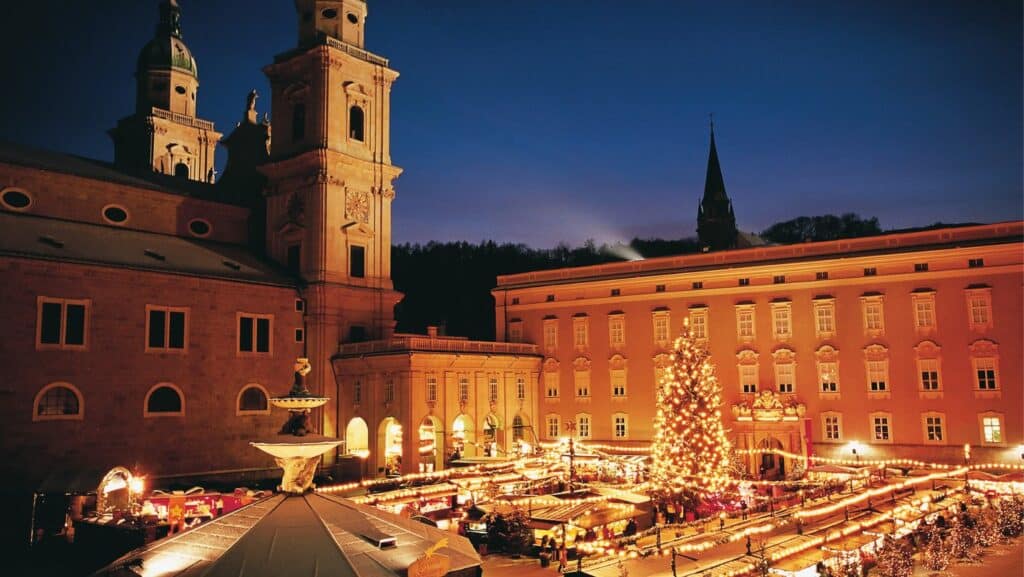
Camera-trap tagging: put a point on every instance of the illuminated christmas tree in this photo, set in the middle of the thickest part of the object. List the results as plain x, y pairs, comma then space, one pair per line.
895, 559
690, 452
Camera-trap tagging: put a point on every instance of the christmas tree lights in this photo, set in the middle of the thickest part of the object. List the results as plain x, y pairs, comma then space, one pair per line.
690, 452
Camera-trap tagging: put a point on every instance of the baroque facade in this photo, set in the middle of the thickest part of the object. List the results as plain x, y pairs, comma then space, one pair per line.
904, 345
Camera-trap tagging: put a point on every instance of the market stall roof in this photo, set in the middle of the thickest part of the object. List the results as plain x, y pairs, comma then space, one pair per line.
851, 543
798, 561
308, 535
76, 481
835, 469
624, 496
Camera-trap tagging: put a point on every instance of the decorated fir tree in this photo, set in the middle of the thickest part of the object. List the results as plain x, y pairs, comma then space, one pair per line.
936, 552
895, 559
690, 452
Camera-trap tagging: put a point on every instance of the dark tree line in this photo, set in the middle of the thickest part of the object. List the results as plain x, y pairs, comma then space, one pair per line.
448, 284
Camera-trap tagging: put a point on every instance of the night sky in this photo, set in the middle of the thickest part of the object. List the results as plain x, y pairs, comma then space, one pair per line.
543, 121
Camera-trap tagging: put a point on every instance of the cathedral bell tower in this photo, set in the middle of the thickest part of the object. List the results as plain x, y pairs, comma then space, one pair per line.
164, 135
330, 180
716, 221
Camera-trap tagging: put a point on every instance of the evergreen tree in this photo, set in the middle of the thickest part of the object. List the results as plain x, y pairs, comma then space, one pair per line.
963, 542
690, 452
936, 552
895, 559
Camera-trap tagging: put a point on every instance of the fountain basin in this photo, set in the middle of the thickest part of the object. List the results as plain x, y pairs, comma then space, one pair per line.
298, 403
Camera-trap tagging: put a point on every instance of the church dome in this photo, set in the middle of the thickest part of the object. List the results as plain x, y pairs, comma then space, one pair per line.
165, 53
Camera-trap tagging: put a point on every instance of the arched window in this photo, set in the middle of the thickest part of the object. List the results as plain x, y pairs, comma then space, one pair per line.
298, 122
355, 123
181, 170
252, 400
58, 401
357, 437
165, 400
517, 428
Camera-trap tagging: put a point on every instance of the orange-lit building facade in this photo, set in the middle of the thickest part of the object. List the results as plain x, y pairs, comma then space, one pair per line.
903, 345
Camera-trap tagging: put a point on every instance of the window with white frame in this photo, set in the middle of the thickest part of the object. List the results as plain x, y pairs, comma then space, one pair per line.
166, 328
463, 388
991, 428
979, 308
164, 400
581, 332
828, 376
745, 322
62, 323
873, 314
515, 331
583, 426
58, 402
928, 369
620, 423
924, 310
520, 387
985, 370
431, 388
748, 378
933, 427
550, 336
881, 427
616, 330
492, 389
551, 384
389, 391
252, 400
832, 425
785, 377
878, 375
661, 328
554, 426
782, 322
824, 318
618, 378
255, 333
582, 383
699, 323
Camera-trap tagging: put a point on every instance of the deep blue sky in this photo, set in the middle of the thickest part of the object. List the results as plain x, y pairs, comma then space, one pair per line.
539, 121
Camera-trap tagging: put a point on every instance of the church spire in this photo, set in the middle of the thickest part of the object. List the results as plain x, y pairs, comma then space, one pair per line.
170, 19
716, 223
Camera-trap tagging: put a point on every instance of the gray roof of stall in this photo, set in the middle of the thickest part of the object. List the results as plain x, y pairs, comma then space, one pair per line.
34, 237
300, 536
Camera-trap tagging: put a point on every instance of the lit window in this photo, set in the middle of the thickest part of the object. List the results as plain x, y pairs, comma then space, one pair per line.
254, 333
56, 402
828, 373
824, 318
924, 311
748, 378
699, 323
785, 377
933, 432
661, 328
878, 374
880, 427
62, 323
992, 429
745, 322
616, 331
518, 428
979, 308
554, 426
620, 423
580, 331
252, 399
551, 384
166, 328
618, 378
463, 389
833, 426
431, 389
782, 326
873, 313
492, 389
583, 426
520, 388
550, 336
582, 383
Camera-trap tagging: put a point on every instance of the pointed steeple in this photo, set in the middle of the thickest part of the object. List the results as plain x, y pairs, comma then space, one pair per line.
716, 222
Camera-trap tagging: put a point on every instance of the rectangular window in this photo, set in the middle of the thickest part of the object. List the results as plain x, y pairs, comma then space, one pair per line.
744, 282
582, 383
979, 308
833, 428
620, 426
463, 389
300, 335
492, 389
554, 425
515, 332
873, 319
748, 378
616, 292
300, 305
821, 276
921, 267
62, 323
661, 329
551, 384
745, 322
166, 329
581, 338
697, 285
583, 426
520, 388
389, 391
550, 336
515, 300
659, 288
924, 312
298, 122
356, 334
357, 392
781, 324
878, 374
825, 319
294, 261
880, 428
616, 331
550, 298
976, 262
870, 271
785, 377
699, 323
829, 377
985, 369
933, 428
357, 261
779, 279
992, 429
929, 371
618, 383
431, 389
254, 333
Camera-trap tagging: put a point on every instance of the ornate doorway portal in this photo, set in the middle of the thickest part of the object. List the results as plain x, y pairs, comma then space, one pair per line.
765, 423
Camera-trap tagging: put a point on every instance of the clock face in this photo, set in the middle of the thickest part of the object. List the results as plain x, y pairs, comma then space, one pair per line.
357, 206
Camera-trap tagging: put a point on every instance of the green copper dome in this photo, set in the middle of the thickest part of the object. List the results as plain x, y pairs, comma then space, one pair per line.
167, 50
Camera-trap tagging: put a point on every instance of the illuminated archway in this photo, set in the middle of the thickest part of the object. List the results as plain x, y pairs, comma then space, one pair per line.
462, 441
772, 466
431, 443
357, 438
389, 447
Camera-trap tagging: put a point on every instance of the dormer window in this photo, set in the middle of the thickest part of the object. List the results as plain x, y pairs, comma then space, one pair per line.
355, 123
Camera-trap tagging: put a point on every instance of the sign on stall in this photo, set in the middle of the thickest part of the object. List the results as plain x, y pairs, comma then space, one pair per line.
431, 564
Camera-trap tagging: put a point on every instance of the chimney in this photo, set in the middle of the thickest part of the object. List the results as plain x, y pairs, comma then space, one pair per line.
432, 331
